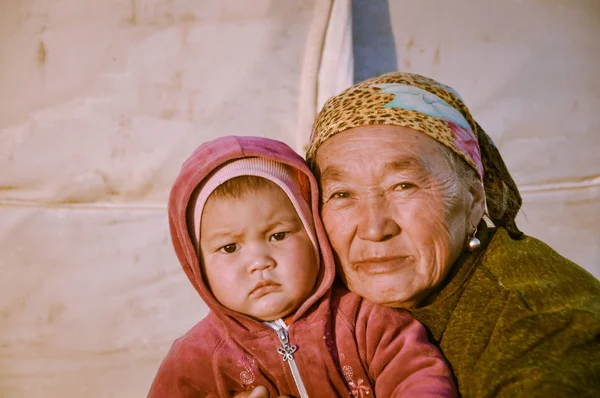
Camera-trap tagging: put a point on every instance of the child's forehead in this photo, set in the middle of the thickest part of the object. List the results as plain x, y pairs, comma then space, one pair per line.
268, 191
267, 202
247, 217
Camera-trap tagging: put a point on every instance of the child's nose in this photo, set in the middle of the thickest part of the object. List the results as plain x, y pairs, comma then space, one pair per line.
261, 260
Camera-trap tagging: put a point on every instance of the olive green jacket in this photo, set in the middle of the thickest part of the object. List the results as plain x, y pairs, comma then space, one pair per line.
516, 319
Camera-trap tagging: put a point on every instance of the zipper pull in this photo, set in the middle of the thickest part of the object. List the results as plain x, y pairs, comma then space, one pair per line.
286, 350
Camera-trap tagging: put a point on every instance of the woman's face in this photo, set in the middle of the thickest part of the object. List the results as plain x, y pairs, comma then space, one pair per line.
396, 215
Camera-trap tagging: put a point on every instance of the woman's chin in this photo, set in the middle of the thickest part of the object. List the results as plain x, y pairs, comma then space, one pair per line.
399, 302
402, 288
395, 295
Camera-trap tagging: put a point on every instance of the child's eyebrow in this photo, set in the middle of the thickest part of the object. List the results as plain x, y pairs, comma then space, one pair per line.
221, 234
283, 220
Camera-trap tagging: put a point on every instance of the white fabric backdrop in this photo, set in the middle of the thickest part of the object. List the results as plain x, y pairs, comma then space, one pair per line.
528, 71
102, 101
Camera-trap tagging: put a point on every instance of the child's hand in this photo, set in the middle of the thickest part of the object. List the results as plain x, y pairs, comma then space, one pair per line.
258, 392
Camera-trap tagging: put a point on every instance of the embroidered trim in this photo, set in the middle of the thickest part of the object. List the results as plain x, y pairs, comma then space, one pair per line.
247, 376
357, 389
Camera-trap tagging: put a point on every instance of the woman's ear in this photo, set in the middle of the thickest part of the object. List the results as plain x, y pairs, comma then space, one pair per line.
477, 205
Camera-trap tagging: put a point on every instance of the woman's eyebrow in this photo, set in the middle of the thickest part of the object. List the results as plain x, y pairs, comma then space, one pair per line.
335, 173
399, 165
331, 173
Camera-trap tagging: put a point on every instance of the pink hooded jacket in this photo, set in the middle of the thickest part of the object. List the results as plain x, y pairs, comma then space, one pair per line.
345, 345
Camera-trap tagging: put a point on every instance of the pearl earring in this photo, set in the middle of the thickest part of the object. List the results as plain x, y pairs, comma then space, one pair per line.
474, 243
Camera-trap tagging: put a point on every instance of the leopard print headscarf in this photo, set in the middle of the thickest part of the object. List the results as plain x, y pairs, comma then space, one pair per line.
425, 105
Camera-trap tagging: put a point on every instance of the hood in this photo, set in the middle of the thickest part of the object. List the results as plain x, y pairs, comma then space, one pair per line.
203, 161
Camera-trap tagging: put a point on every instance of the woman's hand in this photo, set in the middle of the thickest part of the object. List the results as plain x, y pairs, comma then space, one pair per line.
258, 392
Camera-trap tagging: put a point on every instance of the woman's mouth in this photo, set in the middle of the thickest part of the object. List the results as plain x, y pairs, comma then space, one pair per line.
381, 265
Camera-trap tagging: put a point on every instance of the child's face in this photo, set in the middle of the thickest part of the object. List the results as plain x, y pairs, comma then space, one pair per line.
257, 256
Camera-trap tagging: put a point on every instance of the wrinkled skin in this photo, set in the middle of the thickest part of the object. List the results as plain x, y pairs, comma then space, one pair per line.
396, 214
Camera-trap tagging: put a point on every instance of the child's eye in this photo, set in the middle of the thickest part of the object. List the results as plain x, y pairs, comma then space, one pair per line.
278, 236
230, 248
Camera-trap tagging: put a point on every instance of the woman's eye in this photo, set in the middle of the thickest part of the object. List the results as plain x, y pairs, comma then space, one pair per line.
230, 248
278, 236
340, 195
403, 186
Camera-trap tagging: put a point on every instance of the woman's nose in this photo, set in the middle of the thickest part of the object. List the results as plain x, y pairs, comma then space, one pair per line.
376, 222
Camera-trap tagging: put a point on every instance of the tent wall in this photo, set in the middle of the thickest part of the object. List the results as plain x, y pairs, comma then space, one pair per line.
101, 103
528, 70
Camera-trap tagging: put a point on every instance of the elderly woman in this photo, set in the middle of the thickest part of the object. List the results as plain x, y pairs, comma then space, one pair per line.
407, 176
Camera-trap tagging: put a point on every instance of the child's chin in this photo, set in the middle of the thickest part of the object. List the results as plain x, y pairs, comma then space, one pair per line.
274, 311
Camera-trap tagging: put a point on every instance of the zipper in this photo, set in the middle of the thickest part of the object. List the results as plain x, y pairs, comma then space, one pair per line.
287, 352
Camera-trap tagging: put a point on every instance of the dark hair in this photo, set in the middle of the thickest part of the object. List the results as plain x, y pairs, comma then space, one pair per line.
240, 186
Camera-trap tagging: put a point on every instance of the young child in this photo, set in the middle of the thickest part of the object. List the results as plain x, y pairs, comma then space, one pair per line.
244, 222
